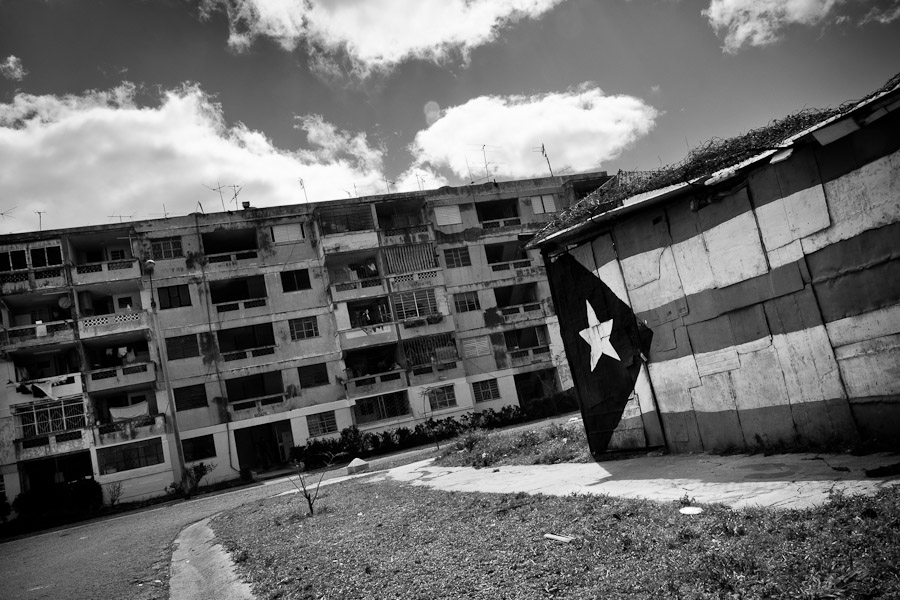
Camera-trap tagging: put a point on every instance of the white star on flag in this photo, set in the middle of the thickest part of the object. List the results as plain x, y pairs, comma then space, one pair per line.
597, 335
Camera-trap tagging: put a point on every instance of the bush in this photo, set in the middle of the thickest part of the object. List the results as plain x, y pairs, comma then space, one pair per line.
61, 501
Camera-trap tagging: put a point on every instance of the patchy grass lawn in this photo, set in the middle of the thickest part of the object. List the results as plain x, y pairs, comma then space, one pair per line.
391, 540
546, 445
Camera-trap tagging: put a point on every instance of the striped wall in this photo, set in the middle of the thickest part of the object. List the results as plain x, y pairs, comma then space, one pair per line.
775, 309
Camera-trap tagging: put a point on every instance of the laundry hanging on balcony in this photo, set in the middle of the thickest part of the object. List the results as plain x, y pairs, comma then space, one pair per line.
124, 413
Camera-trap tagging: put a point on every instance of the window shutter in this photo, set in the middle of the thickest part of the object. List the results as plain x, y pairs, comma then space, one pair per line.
477, 346
291, 232
447, 215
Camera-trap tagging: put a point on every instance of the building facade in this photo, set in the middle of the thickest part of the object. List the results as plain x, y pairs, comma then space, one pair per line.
261, 329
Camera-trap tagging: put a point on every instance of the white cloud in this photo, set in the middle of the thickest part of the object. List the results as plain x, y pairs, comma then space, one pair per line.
883, 14
580, 129
761, 22
83, 158
370, 35
12, 68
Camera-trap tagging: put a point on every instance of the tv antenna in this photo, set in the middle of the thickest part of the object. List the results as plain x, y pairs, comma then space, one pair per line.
421, 182
40, 221
303, 187
119, 217
543, 151
387, 184
235, 190
5, 213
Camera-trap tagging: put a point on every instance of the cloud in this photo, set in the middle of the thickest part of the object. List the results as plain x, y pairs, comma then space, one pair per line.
580, 129
882, 14
12, 68
362, 37
82, 158
761, 22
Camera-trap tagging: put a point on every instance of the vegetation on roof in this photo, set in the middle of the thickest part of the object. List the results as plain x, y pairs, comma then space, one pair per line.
703, 161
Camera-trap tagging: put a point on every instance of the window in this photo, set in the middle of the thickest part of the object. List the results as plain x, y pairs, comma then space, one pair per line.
237, 290
182, 346
321, 423
477, 346
447, 215
486, 390
190, 396
307, 327
246, 338
130, 456
166, 248
313, 375
49, 417
529, 337
116, 255
543, 204
260, 385
174, 296
199, 448
124, 302
290, 232
379, 408
466, 301
293, 281
442, 397
13, 260
341, 219
45, 257
457, 257
418, 303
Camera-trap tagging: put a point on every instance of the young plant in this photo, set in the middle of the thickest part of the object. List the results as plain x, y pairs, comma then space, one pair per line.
311, 492
114, 492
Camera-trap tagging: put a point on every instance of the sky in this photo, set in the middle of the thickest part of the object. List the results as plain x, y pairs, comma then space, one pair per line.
119, 110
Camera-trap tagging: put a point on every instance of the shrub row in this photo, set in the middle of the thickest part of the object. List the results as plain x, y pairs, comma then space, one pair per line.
353, 443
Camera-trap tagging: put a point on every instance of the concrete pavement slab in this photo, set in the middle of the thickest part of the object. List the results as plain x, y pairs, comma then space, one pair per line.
202, 569
779, 481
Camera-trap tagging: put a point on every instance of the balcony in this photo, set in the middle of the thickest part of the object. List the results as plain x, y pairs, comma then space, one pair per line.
248, 353
21, 281
380, 383
411, 281
60, 442
57, 387
101, 272
256, 407
511, 265
425, 374
417, 234
382, 333
38, 334
497, 223
231, 259
529, 356
349, 241
114, 323
359, 288
129, 429
123, 376
243, 305
521, 312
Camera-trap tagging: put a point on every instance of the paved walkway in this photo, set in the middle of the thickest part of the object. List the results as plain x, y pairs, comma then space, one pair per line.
202, 569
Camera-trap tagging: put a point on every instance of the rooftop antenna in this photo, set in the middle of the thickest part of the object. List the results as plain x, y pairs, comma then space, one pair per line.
421, 182
201, 207
40, 223
303, 187
6, 212
471, 179
120, 217
217, 189
484, 155
235, 190
349, 195
543, 151
387, 183
165, 212
355, 191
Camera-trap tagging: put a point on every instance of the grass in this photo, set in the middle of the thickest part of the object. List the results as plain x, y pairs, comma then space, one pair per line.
383, 539
550, 445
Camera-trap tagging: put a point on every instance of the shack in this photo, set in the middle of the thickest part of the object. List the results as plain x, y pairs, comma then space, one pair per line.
746, 298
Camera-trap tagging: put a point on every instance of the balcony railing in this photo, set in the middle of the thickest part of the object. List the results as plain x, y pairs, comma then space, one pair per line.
495, 223
522, 312
426, 276
42, 333
241, 305
527, 356
129, 429
406, 235
522, 263
256, 404
41, 446
248, 353
231, 256
358, 288
114, 323
58, 387
125, 375
112, 270
31, 278
378, 383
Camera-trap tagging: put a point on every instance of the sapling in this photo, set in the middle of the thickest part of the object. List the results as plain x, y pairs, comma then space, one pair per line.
311, 493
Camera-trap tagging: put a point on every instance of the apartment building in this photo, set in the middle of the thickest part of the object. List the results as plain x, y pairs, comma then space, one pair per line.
249, 332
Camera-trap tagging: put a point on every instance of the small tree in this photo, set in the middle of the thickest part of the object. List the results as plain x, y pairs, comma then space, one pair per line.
114, 492
310, 492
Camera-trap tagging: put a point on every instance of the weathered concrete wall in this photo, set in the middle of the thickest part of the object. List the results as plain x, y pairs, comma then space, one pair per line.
775, 310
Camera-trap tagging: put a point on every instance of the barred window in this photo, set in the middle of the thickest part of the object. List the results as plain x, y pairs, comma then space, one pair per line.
199, 448
486, 390
13, 261
466, 301
293, 281
45, 257
321, 423
174, 296
307, 327
49, 417
130, 456
166, 248
418, 303
442, 397
313, 375
182, 346
457, 257
190, 396
379, 408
